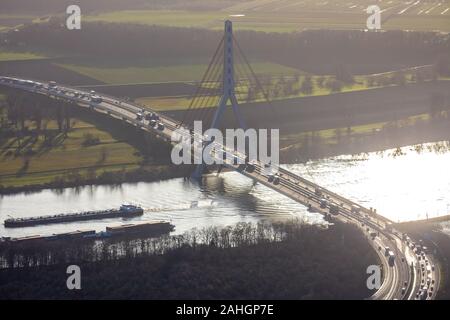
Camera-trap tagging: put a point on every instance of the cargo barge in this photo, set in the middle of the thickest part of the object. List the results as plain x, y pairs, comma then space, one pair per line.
154, 227
148, 229
124, 211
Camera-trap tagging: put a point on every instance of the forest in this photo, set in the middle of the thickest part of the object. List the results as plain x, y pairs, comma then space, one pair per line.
289, 260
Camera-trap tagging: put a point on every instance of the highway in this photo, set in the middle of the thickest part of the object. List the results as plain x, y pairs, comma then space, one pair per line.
402, 279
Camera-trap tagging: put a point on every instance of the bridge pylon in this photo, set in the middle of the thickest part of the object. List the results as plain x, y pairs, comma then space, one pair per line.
228, 92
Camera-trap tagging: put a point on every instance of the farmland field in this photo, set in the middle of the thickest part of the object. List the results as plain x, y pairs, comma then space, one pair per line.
151, 72
39, 164
15, 56
295, 15
10, 21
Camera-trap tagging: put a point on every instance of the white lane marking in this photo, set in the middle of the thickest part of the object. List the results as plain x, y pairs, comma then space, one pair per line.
445, 11
408, 7
432, 8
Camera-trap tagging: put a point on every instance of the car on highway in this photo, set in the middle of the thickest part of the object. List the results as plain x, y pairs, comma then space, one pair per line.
323, 203
160, 126
276, 180
334, 209
355, 209
391, 258
241, 167
251, 166
318, 192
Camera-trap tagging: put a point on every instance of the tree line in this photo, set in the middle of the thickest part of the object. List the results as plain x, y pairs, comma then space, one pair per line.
316, 51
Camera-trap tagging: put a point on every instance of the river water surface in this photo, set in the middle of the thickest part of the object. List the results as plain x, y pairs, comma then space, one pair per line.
401, 188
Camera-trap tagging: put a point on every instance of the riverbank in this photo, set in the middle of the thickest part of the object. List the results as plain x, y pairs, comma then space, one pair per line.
391, 135
141, 174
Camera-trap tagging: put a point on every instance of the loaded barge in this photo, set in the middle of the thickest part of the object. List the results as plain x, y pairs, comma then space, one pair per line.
146, 229
154, 227
124, 211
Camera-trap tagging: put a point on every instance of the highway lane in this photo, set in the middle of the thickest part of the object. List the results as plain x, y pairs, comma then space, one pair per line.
290, 184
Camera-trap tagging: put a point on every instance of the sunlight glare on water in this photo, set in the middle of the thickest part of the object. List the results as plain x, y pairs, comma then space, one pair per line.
401, 188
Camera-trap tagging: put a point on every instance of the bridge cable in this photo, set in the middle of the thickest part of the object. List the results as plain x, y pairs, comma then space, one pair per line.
203, 99
210, 94
200, 89
193, 99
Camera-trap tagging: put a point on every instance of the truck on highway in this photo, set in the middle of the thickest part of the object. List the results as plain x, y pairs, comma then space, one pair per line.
151, 116
391, 258
96, 99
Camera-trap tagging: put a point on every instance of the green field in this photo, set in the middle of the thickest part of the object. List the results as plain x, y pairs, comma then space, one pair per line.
10, 21
149, 72
329, 136
18, 168
294, 15
13, 56
161, 17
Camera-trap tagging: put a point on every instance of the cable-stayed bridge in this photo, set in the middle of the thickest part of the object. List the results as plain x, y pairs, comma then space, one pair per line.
224, 85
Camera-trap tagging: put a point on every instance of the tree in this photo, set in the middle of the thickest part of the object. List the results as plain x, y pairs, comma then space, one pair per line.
59, 116
250, 94
442, 65
343, 75
398, 78
437, 104
334, 85
307, 86
320, 81
38, 116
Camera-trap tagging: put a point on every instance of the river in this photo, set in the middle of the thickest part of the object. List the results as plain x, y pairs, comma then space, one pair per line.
402, 188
